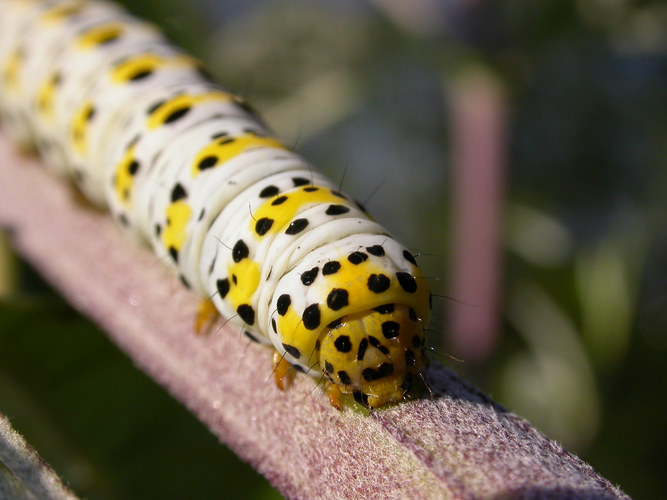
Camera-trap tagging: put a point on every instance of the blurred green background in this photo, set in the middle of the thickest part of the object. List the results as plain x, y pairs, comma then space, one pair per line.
365, 88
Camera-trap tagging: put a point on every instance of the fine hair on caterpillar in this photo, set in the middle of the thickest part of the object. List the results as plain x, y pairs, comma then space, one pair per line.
187, 168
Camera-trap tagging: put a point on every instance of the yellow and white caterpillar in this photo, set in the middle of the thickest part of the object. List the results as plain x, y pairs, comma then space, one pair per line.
188, 167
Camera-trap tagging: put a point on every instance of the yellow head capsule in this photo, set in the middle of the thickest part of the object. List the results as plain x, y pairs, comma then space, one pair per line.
374, 355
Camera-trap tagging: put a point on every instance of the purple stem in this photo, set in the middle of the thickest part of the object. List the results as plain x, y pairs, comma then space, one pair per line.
458, 444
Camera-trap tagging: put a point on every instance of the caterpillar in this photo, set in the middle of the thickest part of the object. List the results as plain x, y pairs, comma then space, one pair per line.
189, 168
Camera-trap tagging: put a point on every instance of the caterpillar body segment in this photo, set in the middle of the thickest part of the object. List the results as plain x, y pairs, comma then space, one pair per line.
188, 168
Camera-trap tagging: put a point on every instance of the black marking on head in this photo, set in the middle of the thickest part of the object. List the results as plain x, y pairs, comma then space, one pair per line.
377, 344
296, 226
344, 377
158, 230
407, 282
378, 283
273, 325
310, 189
337, 299
307, 277
328, 367
390, 329
413, 314
240, 251
184, 281
370, 374
363, 345
279, 201
410, 359
247, 313
343, 343
173, 253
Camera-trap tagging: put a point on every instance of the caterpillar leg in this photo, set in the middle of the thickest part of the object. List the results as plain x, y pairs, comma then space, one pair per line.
334, 393
206, 316
283, 372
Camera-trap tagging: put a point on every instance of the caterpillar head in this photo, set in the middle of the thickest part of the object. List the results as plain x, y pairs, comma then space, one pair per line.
356, 308
374, 355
